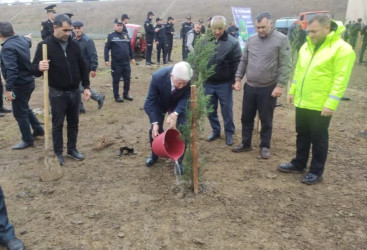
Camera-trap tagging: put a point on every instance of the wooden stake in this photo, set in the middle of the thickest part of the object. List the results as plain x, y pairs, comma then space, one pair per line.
45, 99
194, 138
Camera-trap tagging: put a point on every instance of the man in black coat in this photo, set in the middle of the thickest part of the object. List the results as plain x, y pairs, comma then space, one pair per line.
170, 30
161, 41
149, 37
66, 69
18, 74
47, 27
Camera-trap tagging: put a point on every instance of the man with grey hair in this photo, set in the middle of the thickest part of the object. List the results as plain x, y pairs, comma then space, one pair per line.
169, 92
66, 69
266, 61
219, 86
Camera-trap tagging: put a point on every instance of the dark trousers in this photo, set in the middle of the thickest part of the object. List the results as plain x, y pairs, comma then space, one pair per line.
123, 70
169, 48
257, 99
23, 114
311, 128
6, 229
353, 41
181, 120
223, 94
94, 95
148, 53
1, 94
363, 48
184, 54
64, 104
162, 46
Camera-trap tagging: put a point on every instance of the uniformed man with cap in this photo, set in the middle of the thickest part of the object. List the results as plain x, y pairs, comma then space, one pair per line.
125, 19
186, 27
70, 15
89, 54
161, 41
169, 36
118, 43
149, 37
201, 22
47, 28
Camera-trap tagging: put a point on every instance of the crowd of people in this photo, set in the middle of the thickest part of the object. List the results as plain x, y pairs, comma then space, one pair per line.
325, 62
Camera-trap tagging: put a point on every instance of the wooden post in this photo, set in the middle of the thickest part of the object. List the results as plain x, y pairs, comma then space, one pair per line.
194, 138
45, 100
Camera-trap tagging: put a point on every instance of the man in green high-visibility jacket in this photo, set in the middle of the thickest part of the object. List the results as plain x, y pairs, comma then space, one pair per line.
321, 76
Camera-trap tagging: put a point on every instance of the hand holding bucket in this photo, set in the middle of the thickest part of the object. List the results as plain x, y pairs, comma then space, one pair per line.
169, 144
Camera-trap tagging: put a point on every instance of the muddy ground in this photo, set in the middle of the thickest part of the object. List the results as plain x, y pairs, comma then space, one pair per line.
112, 202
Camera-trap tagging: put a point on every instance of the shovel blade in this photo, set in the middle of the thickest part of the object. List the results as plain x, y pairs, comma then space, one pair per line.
51, 170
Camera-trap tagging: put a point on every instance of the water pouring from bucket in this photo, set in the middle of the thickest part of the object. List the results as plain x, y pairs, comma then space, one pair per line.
169, 144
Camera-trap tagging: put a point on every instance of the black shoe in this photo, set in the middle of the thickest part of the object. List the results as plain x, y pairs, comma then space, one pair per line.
213, 137
38, 132
22, 145
81, 110
170, 60
165, 63
129, 98
60, 158
289, 168
241, 148
147, 63
152, 62
119, 99
4, 110
76, 155
150, 161
229, 140
1, 115
311, 178
15, 244
101, 101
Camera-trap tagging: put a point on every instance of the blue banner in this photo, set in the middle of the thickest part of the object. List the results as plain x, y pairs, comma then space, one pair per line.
243, 19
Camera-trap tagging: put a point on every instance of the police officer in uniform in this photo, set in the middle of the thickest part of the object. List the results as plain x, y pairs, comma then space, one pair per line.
47, 28
161, 41
122, 54
149, 37
186, 27
169, 36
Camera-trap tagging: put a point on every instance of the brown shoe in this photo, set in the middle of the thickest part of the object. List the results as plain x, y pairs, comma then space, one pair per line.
265, 153
241, 148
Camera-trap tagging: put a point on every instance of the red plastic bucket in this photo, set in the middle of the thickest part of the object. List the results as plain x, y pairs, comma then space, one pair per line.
169, 144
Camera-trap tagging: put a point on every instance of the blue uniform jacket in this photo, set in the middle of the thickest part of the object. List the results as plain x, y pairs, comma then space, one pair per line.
16, 64
160, 100
120, 46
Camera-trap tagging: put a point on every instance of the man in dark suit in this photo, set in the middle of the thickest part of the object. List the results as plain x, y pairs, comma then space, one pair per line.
47, 27
169, 92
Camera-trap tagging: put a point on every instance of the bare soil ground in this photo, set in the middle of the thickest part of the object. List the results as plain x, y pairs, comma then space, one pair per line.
112, 202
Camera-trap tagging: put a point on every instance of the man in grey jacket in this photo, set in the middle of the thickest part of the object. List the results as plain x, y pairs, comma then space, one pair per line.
90, 57
266, 61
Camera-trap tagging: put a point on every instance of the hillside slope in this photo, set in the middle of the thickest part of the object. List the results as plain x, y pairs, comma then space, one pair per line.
99, 16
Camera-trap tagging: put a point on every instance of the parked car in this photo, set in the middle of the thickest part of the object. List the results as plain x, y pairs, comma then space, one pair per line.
283, 24
137, 39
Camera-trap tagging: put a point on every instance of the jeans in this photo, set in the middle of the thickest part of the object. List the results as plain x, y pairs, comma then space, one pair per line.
311, 128
23, 114
64, 104
6, 229
181, 120
123, 70
257, 99
224, 94
148, 53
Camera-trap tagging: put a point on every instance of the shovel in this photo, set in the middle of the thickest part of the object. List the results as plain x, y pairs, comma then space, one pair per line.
51, 170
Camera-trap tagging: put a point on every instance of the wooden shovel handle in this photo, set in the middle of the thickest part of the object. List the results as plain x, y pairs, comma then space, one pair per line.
45, 99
